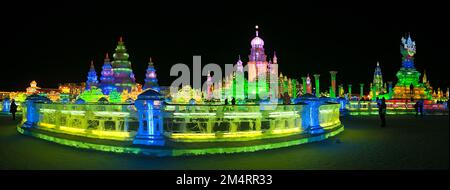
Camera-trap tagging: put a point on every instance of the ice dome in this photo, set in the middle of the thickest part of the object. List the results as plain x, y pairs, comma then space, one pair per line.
257, 41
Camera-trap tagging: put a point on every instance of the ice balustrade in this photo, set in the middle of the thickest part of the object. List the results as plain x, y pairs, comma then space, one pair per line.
329, 115
117, 122
189, 123
393, 108
223, 122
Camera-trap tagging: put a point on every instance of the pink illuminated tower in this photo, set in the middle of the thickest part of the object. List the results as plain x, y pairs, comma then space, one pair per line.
308, 85
123, 74
209, 87
257, 59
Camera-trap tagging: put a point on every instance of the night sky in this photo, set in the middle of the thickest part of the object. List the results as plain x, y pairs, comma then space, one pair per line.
54, 43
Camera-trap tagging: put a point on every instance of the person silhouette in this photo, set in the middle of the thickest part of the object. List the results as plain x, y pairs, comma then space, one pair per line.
382, 111
411, 90
13, 109
233, 101
226, 101
421, 108
286, 99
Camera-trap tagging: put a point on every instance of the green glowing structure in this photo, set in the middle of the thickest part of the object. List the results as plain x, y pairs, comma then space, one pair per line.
123, 74
333, 84
349, 90
361, 90
408, 85
92, 95
317, 82
304, 85
115, 97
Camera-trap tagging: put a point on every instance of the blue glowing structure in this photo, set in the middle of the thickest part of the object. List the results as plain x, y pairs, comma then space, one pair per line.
311, 113
80, 101
150, 131
32, 113
6, 105
92, 77
408, 49
343, 105
65, 98
151, 82
107, 77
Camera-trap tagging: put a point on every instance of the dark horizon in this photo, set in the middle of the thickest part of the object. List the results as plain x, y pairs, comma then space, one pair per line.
55, 45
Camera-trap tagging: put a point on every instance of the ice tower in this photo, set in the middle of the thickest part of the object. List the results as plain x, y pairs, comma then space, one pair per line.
92, 77
123, 74
408, 85
151, 82
107, 77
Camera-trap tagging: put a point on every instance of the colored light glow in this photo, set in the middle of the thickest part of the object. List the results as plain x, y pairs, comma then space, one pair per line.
47, 110
126, 85
122, 69
248, 134
330, 123
109, 114
187, 136
284, 114
329, 115
286, 131
194, 114
178, 152
73, 112
115, 135
192, 135
72, 130
242, 115
326, 111
47, 125
91, 95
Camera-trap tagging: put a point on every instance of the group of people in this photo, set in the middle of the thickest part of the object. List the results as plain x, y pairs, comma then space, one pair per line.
382, 108
233, 101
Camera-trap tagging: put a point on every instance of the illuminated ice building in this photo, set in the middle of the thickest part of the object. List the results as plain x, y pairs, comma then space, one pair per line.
92, 77
107, 77
117, 77
409, 89
151, 82
262, 73
377, 86
123, 73
185, 123
409, 85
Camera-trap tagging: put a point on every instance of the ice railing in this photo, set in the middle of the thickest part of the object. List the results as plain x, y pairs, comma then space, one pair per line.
329, 115
109, 121
393, 108
225, 122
